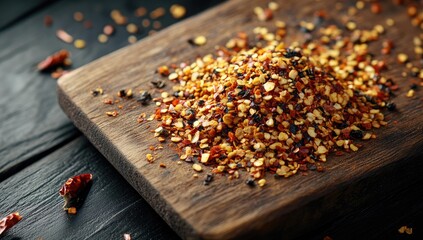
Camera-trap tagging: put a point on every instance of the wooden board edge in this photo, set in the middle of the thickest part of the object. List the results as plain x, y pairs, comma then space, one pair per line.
289, 219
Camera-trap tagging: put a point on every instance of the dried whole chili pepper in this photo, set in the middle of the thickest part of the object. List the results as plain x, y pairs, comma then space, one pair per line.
54, 60
9, 221
75, 190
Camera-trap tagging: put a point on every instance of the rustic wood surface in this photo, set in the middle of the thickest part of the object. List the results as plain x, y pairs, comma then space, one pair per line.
229, 209
35, 134
38, 145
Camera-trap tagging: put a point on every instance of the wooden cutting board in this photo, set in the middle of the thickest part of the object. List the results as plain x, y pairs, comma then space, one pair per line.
229, 208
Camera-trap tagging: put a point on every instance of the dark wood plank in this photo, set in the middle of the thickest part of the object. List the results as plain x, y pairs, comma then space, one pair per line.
31, 123
12, 12
111, 209
229, 209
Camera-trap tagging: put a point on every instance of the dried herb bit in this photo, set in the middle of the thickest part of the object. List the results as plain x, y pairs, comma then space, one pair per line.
208, 179
158, 84
75, 190
357, 134
198, 41
144, 98
391, 106
96, 92
250, 182
56, 59
9, 221
125, 93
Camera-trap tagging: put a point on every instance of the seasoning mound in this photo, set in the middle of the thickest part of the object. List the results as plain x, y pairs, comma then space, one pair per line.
273, 108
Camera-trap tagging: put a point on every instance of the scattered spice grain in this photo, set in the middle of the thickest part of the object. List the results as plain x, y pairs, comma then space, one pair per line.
402, 58
102, 38
112, 113
197, 167
97, 91
108, 30
198, 40
64, 36
117, 16
79, 43
405, 229
208, 179
78, 16
157, 13
88, 24
177, 11
48, 21
157, 25
132, 28
132, 39
140, 12
145, 23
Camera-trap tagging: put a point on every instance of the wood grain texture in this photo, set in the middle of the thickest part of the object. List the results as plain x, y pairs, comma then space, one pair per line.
111, 208
229, 209
32, 124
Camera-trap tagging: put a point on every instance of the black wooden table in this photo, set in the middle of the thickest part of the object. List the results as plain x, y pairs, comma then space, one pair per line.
40, 148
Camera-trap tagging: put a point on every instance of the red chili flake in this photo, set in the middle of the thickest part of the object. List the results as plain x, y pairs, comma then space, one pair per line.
108, 101
9, 221
58, 73
88, 24
376, 8
57, 59
48, 21
74, 191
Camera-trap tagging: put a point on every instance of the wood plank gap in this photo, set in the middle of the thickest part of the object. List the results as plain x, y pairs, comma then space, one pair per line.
8, 172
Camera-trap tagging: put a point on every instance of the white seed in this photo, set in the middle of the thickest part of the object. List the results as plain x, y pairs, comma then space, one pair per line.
269, 86
205, 157
197, 167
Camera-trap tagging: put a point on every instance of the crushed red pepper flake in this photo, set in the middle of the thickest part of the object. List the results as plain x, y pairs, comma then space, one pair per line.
112, 113
56, 59
275, 108
48, 21
9, 221
74, 191
157, 13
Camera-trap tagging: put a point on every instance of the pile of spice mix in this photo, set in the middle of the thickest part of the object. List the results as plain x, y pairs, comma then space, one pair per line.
270, 107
